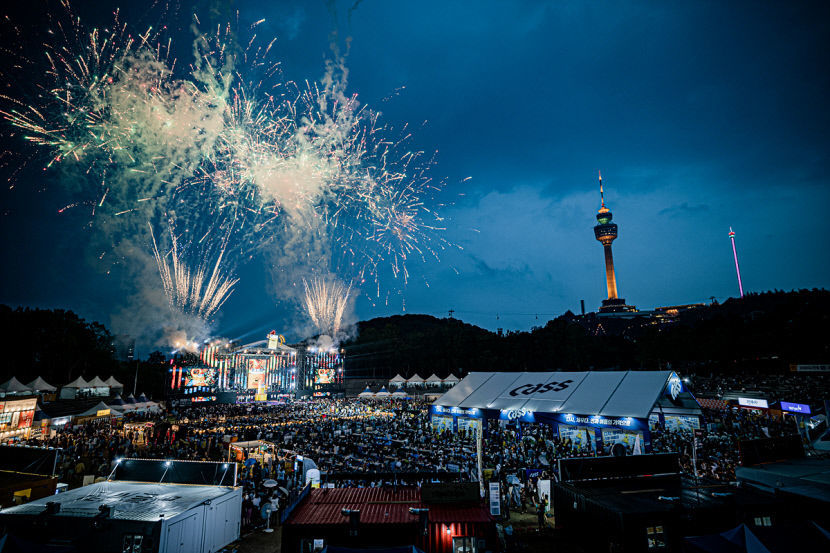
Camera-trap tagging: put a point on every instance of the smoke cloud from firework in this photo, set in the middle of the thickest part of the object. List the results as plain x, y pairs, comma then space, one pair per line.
245, 163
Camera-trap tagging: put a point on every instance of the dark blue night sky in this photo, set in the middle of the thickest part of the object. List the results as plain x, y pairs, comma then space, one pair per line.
700, 115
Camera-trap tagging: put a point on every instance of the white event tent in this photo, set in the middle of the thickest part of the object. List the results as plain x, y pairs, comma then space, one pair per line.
14, 386
415, 380
593, 407
40, 385
433, 380
397, 381
451, 380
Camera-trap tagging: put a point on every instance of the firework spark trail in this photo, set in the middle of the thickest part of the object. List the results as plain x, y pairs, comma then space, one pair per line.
325, 302
188, 290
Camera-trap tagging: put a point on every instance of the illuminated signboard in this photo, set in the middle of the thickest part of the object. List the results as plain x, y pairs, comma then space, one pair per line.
598, 421
753, 402
26, 418
102, 413
795, 407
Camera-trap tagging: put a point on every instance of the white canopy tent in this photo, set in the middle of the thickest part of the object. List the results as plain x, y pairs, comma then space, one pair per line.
97, 383
610, 394
433, 380
397, 381
99, 408
367, 393
70, 391
415, 380
451, 380
79, 383
14, 386
113, 383
400, 394
383, 392
40, 385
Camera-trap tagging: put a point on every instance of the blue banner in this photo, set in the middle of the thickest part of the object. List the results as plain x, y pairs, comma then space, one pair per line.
795, 408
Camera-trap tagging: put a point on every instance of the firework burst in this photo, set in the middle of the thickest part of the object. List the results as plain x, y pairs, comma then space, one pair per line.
199, 292
325, 303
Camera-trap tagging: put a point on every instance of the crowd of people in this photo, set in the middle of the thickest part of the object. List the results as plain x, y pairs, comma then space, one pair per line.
795, 387
357, 443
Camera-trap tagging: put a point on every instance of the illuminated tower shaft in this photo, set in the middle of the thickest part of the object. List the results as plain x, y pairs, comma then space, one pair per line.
610, 277
737, 267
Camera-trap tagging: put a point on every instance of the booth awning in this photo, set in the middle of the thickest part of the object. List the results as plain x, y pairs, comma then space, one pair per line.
434, 378
398, 379
415, 379
612, 393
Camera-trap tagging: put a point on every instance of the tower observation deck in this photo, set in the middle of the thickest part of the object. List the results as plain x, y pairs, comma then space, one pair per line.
606, 232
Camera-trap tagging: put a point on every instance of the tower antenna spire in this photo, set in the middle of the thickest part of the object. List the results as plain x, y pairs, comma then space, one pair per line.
602, 208
601, 191
735, 254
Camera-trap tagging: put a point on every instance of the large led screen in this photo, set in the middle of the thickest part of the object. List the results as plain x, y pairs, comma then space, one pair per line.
200, 377
256, 373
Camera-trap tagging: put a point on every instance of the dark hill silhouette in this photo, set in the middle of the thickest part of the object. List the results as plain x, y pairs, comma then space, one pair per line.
757, 332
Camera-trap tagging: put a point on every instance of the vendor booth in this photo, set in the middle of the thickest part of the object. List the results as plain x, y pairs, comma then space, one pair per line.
594, 410
259, 450
101, 411
16, 417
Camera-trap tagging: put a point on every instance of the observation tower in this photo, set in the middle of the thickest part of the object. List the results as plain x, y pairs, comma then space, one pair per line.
606, 232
